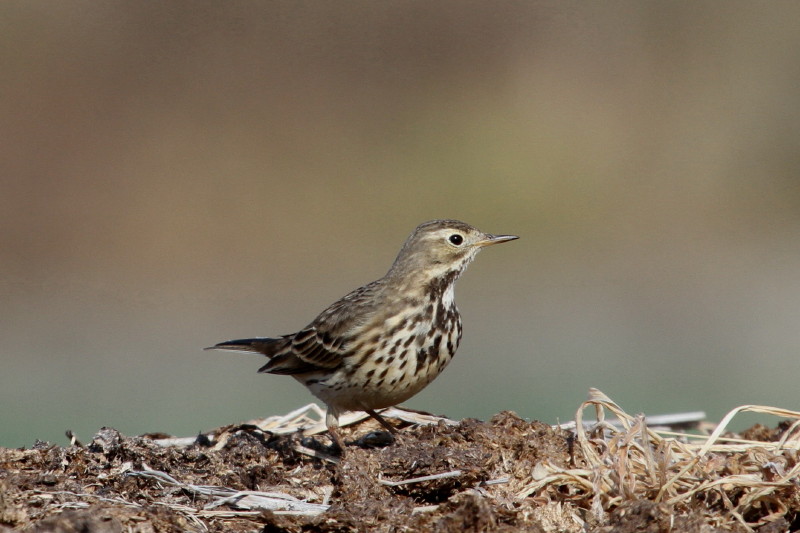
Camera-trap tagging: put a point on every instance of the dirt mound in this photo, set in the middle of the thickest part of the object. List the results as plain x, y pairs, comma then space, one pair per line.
506, 474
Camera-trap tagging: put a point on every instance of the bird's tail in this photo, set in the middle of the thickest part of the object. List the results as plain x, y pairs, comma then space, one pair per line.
263, 345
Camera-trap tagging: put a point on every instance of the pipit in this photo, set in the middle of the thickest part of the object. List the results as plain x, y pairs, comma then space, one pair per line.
384, 342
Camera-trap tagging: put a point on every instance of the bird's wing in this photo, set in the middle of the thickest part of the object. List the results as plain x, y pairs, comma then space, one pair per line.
307, 351
318, 348
325, 343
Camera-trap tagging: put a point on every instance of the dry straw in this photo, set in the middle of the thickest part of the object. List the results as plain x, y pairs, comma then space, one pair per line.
738, 481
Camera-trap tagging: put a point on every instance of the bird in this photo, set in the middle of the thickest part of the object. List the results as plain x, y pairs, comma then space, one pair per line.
384, 342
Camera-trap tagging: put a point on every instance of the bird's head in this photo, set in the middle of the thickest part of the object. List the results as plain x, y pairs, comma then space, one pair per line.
442, 248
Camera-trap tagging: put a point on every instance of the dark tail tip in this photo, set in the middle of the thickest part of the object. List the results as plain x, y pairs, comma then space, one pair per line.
257, 345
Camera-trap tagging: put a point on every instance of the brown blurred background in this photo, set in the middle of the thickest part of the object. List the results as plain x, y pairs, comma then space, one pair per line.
177, 174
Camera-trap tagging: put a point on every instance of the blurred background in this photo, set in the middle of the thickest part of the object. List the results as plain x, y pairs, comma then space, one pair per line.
178, 174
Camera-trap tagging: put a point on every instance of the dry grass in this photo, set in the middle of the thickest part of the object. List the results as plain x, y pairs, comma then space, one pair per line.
741, 483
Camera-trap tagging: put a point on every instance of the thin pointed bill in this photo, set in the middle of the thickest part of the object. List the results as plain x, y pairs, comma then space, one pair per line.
495, 239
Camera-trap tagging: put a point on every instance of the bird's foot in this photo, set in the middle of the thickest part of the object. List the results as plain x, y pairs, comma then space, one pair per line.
376, 439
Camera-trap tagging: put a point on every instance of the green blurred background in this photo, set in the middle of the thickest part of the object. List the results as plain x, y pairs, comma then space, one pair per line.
176, 174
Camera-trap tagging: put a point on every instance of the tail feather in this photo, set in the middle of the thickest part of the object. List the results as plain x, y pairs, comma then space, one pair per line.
263, 345
282, 360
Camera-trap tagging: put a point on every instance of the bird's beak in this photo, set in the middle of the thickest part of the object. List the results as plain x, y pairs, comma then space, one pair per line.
495, 239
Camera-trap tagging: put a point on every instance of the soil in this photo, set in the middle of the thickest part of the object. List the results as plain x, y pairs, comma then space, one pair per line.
112, 484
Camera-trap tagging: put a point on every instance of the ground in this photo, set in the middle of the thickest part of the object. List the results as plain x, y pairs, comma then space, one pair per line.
506, 474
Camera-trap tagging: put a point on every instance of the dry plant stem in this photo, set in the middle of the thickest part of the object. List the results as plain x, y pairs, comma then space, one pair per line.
434, 477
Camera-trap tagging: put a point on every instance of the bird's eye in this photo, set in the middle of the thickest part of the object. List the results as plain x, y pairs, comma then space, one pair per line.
456, 239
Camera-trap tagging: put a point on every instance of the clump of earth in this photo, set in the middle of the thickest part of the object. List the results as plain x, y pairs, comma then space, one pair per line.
446, 476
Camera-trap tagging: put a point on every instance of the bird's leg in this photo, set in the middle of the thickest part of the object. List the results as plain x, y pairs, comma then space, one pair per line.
382, 421
338, 443
332, 422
